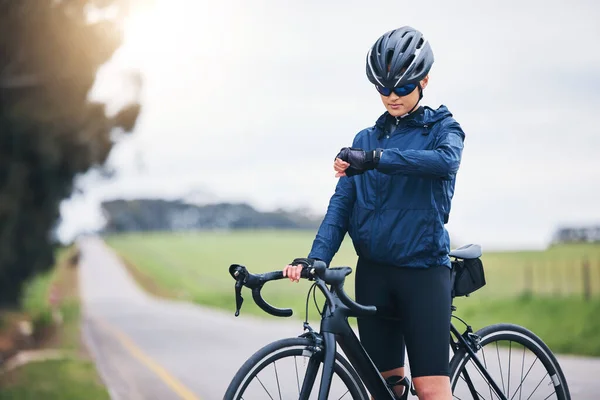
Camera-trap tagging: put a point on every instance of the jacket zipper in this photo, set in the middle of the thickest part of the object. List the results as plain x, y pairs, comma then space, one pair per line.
386, 135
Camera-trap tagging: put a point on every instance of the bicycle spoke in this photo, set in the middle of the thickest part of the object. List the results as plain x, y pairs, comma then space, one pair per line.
484, 361
261, 384
550, 395
522, 367
277, 378
500, 365
538, 385
476, 391
297, 376
458, 398
347, 391
509, 358
485, 365
523, 380
485, 380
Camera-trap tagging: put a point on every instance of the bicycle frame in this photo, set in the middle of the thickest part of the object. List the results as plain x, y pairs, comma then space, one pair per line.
335, 330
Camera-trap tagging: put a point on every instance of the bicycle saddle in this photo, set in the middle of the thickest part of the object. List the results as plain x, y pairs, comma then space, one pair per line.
467, 252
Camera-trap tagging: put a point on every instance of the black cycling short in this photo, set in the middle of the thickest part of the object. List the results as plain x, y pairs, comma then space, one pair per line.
421, 298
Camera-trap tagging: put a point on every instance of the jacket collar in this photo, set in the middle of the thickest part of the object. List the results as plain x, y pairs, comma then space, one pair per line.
422, 116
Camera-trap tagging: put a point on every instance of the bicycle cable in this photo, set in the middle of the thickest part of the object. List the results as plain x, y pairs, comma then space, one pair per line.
316, 305
461, 320
307, 301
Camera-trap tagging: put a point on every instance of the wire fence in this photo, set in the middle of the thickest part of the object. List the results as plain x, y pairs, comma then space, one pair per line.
565, 279
579, 277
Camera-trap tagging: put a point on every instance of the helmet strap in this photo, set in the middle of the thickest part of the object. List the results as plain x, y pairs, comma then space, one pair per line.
416, 105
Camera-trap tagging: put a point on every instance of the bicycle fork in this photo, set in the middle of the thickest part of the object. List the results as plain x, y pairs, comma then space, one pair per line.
326, 354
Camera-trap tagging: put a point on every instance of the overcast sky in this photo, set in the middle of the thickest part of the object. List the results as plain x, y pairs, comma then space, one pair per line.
250, 101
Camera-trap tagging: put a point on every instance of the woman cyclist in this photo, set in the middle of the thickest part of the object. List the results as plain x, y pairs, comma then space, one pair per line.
393, 197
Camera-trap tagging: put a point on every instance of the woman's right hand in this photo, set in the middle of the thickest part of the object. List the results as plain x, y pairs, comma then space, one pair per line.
340, 167
294, 269
293, 272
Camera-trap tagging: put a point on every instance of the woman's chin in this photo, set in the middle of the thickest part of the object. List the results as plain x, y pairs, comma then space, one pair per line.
397, 112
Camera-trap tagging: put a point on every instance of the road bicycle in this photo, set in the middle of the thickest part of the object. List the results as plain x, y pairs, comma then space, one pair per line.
501, 361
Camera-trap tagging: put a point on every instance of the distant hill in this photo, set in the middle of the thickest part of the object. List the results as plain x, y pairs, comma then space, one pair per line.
176, 215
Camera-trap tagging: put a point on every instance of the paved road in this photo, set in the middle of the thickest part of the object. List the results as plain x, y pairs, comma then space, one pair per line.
149, 348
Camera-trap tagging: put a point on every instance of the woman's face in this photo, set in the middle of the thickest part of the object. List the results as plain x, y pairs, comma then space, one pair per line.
398, 106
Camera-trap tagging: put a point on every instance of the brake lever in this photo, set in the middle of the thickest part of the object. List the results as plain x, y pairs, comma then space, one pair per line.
238, 296
240, 274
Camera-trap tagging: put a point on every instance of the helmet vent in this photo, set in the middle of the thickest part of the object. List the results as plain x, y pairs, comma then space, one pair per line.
405, 47
379, 46
388, 57
420, 44
408, 62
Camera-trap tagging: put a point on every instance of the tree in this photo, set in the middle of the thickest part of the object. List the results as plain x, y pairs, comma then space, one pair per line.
50, 132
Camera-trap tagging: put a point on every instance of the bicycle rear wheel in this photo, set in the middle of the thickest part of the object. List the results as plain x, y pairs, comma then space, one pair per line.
278, 371
517, 360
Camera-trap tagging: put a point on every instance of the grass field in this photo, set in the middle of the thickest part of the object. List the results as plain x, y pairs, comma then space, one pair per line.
194, 267
534, 289
71, 378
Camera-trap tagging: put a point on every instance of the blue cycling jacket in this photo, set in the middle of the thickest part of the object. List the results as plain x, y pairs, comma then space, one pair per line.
396, 213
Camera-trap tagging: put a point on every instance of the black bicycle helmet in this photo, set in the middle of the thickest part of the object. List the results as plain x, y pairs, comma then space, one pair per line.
399, 57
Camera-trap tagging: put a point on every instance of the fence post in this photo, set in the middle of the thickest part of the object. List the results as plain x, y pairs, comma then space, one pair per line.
585, 277
542, 272
597, 285
557, 279
528, 279
564, 277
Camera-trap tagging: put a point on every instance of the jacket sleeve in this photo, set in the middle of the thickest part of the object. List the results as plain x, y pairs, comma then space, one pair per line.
335, 224
440, 162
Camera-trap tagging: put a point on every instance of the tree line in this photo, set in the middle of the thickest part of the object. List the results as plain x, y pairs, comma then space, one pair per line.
577, 234
144, 215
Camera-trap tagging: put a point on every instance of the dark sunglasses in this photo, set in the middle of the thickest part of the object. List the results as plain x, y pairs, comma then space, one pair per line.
399, 91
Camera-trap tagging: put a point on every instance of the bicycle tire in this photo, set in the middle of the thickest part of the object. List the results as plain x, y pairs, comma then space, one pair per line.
291, 347
513, 334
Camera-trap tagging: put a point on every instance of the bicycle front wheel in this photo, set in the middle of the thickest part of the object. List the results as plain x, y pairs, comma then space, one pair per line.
288, 367
518, 361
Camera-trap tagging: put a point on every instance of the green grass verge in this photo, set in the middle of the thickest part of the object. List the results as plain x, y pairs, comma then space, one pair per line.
35, 297
66, 379
193, 267
53, 380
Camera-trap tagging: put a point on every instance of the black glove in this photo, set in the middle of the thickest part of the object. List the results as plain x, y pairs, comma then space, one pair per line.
359, 159
305, 262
